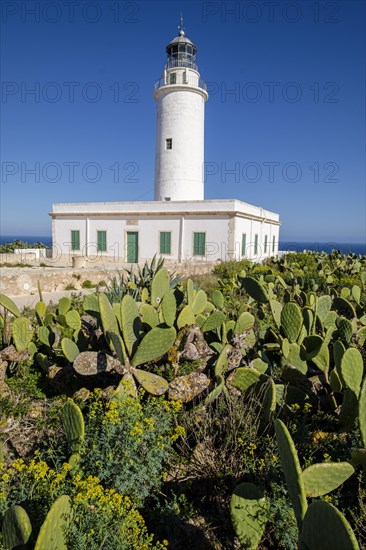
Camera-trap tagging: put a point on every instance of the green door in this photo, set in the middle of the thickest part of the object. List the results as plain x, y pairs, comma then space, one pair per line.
132, 247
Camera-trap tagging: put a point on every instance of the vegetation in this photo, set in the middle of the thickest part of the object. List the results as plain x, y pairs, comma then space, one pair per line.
10, 247
222, 412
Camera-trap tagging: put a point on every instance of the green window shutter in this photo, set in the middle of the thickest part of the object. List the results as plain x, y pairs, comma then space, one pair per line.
165, 240
173, 78
273, 244
265, 244
255, 245
102, 241
243, 244
199, 244
75, 240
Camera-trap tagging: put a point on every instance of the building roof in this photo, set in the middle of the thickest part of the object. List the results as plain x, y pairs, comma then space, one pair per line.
164, 208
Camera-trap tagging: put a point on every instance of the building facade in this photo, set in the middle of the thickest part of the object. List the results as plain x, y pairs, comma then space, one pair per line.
179, 224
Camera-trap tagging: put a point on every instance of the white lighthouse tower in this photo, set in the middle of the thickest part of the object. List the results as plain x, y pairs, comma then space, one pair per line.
180, 97
179, 225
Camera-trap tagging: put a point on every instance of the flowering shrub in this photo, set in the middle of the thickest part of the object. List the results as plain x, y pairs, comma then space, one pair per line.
101, 517
128, 443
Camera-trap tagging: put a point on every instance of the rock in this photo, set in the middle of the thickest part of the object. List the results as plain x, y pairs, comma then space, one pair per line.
82, 394
185, 388
194, 347
89, 363
11, 354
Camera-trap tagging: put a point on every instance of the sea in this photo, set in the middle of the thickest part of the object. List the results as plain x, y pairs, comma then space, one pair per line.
297, 246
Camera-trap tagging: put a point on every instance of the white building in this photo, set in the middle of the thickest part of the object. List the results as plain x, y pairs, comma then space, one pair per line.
179, 224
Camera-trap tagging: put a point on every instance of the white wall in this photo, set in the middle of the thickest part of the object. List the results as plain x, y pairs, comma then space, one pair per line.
179, 171
223, 235
254, 227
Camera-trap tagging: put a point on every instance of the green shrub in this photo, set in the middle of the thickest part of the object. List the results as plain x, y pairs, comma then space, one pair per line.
128, 443
87, 284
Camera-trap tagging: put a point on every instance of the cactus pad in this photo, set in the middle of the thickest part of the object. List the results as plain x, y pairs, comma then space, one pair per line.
248, 514
320, 479
52, 532
214, 321
291, 321
292, 470
22, 333
160, 285
73, 423
351, 369
326, 527
255, 289
152, 383
9, 305
70, 349
16, 529
245, 321
154, 345
218, 299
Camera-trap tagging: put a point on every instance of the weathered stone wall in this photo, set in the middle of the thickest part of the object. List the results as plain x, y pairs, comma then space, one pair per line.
16, 281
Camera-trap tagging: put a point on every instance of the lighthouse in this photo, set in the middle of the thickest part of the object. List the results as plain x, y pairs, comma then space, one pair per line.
180, 95
179, 225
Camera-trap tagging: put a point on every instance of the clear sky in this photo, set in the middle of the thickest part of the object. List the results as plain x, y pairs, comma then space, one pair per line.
285, 120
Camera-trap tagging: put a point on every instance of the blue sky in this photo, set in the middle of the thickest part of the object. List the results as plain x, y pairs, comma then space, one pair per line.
285, 121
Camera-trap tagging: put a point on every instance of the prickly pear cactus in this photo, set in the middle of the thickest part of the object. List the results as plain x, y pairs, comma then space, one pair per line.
9, 305
169, 308
199, 302
73, 319
109, 320
149, 315
73, 424
152, 383
248, 514
22, 333
320, 479
244, 378
17, 528
218, 299
70, 349
52, 532
64, 305
351, 369
362, 412
325, 526
154, 345
214, 321
255, 289
245, 322
345, 329
186, 317
291, 321
160, 285
130, 323
292, 471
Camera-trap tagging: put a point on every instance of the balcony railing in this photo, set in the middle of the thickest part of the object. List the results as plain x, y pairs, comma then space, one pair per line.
173, 63
191, 81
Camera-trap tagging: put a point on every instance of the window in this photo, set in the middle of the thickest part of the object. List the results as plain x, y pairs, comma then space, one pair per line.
165, 240
243, 244
169, 143
273, 244
265, 244
199, 244
102, 241
255, 245
173, 78
75, 240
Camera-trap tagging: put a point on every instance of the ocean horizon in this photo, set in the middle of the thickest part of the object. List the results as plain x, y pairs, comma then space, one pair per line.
285, 245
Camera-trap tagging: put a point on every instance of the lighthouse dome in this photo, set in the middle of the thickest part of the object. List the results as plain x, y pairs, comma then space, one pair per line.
181, 52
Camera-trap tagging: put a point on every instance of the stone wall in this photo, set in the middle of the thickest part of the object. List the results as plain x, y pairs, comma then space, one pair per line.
24, 281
